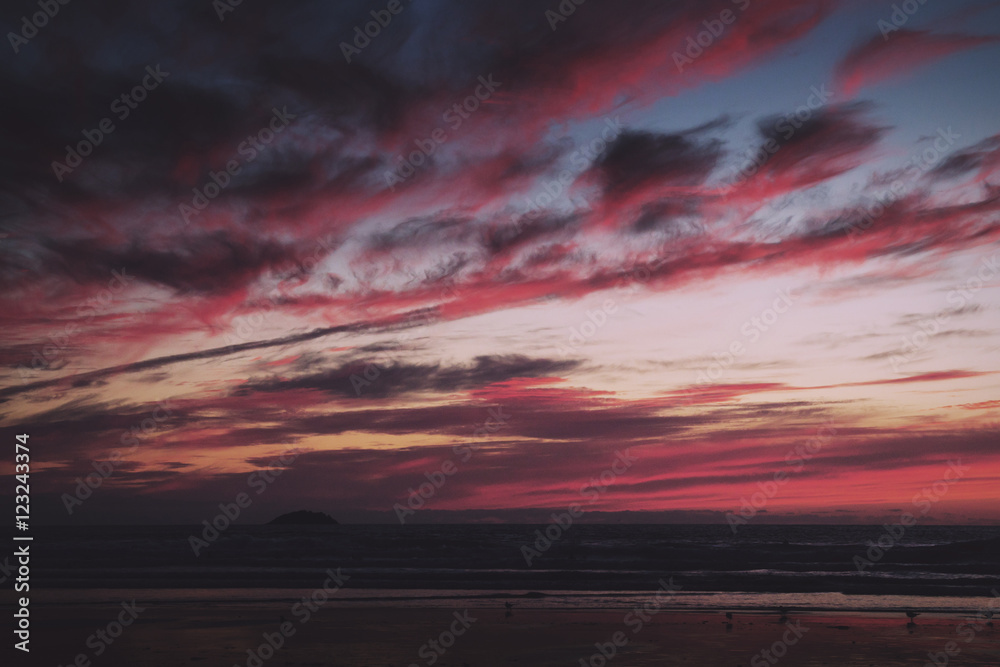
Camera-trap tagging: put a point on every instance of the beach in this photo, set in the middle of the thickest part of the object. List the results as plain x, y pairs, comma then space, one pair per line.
346, 635
378, 596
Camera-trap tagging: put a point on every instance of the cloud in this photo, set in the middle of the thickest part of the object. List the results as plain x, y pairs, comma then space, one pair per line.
84, 379
505, 211
984, 158
897, 54
379, 378
830, 141
214, 262
638, 158
324, 173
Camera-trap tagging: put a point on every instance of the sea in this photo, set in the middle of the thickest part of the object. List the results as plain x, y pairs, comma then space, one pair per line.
937, 569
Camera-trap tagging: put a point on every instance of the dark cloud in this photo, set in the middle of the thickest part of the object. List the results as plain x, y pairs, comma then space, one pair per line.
971, 159
214, 262
528, 228
830, 140
424, 232
119, 209
638, 158
84, 379
674, 218
378, 378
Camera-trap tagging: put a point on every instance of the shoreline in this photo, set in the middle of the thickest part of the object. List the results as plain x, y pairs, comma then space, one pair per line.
679, 601
226, 634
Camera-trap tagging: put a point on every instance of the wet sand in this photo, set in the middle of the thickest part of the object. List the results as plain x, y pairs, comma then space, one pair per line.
221, 634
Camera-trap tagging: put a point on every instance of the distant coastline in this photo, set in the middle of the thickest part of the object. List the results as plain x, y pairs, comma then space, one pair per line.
303, 518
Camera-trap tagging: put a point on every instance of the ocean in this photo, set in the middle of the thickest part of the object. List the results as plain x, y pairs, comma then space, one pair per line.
944, 568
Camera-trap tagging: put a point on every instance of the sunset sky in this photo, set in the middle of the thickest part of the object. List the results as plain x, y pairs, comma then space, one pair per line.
494, 208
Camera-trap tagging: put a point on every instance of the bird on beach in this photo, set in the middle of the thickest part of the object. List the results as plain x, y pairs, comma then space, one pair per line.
912, 615
989, 615
729, 615
510, 610
784, 614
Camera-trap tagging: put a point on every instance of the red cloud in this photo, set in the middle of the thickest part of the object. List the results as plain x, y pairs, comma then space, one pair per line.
898, 53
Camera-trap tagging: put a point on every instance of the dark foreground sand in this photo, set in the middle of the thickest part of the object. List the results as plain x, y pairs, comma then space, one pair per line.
220, 635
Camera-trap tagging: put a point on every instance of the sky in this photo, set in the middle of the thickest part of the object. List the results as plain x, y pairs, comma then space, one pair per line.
668, 261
